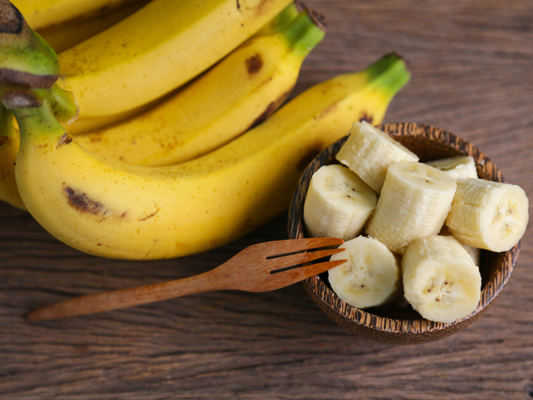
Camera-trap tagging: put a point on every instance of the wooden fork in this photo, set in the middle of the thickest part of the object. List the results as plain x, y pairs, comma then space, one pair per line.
258, 268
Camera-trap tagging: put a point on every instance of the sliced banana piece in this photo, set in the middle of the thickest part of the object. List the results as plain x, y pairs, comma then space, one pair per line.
488, 215
457, 167
338, 203
440, 279
368, 152
370, 277
474, 252
414, 202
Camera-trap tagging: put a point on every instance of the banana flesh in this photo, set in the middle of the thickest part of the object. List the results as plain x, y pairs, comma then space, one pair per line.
371, 275
149, 53
112, 209
369, 151
457, 167
338, 203
440, 279
474, 252
414, 202
488, 215
253, 82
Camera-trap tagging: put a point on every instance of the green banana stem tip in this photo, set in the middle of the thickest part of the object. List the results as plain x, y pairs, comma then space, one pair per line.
390, 71
305, 31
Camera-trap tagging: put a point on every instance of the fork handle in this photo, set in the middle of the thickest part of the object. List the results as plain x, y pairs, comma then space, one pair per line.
123, 298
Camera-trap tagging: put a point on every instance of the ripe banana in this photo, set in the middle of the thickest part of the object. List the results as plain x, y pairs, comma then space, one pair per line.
414, 202
474, 252
65, 35
368, 152
44, 13
113, 209
338, 203
195, 121
9, 144
440, 279
64, 109
157, 49
370, 277
68, 34
239, 92
457, 167
488, 215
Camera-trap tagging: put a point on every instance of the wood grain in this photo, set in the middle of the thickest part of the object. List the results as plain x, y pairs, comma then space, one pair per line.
472, 74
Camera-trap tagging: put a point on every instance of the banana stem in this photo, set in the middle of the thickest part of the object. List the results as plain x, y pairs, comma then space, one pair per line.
305, 31
25, 58
40, 121
63, 104
280, 21
390, 73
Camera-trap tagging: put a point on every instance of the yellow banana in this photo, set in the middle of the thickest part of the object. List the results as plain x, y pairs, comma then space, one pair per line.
68, 34
64, 109
195, 120
88, 124
112, 209
239, 92
157, 49
44, 13
9, 144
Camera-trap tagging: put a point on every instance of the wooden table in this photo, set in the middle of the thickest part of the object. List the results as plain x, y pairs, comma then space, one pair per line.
472, 74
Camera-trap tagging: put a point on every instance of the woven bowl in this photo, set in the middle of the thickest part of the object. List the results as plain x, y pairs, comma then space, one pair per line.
403, 325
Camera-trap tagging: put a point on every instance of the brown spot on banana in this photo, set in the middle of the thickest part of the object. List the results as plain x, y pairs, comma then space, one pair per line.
83, 203
3, 139
273, 106
366, 118
151, 215
65, 139
254, 64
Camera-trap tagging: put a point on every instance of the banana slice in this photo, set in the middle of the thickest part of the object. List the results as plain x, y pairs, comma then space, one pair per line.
474, 252
338, 203
414, 202
488, 215
368, 152
457, 167
440, 279
370, 277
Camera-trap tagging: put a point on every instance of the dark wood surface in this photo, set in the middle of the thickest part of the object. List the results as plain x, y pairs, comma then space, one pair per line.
472, 74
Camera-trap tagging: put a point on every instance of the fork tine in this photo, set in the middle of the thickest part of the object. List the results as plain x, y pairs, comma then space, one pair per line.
283, 247
294, 260
295, 275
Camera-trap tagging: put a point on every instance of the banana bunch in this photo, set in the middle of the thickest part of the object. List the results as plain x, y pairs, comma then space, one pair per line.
162, 46
215, 159
253, 80
437, 215
113, 209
